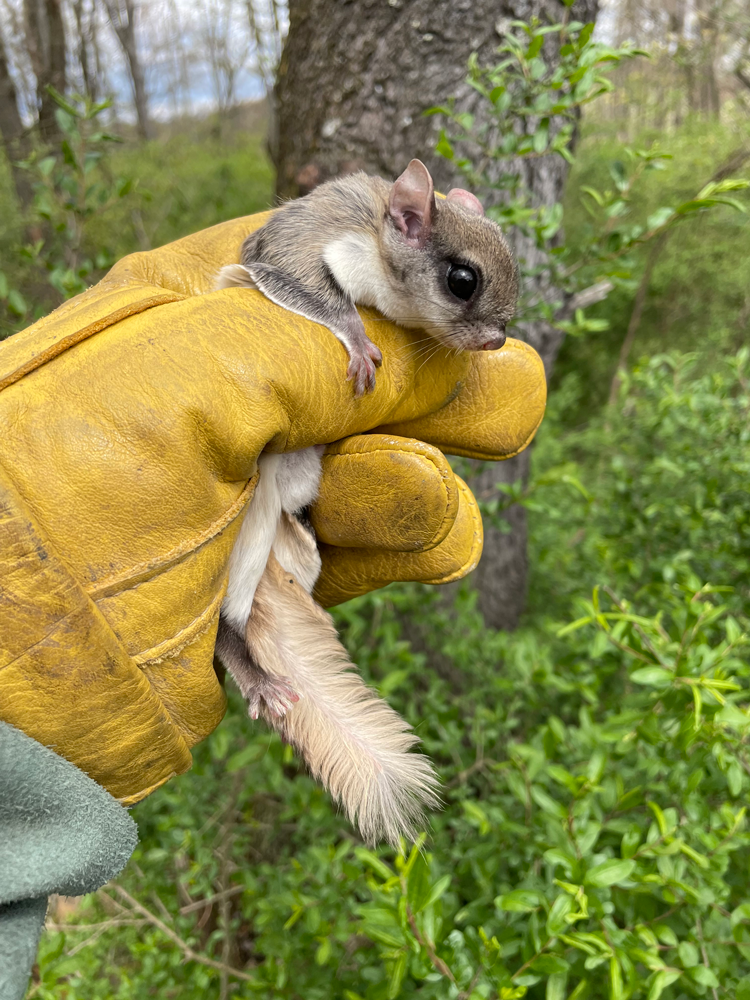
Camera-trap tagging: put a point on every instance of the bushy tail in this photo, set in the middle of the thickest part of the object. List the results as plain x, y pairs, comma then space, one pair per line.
351, 740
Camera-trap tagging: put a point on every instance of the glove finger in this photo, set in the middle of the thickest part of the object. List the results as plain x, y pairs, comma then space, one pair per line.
349, 572
385, 492
497, 411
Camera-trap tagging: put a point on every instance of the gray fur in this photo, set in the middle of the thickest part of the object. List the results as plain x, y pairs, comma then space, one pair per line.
358, 239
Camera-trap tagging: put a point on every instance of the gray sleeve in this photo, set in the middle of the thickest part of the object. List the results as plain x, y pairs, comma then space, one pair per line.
60, 832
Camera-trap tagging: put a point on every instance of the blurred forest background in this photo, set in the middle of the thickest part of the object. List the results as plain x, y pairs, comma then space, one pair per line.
585, 695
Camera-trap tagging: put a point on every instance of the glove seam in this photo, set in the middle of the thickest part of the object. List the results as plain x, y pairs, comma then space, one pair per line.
134, 576
169, 648
65, 343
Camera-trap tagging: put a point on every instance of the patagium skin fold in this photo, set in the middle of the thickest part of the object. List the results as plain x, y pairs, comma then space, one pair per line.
133, 417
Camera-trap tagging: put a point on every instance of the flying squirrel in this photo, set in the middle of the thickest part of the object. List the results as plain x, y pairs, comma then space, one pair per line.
438, 265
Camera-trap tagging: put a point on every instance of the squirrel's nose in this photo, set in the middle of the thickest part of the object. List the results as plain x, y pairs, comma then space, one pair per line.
495, 342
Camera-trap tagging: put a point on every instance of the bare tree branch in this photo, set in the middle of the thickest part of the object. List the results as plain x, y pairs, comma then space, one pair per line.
190, 955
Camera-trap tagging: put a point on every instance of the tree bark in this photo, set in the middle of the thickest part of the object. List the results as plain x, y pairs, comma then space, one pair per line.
45, 37
13, 133
122, 16
354, 80
85, 16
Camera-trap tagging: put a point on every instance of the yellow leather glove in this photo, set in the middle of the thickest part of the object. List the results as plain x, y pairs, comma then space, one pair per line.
133, 417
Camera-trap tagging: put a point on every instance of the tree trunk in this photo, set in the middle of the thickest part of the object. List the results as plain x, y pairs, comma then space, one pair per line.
14, 136
45, 36
121, 14
85, 18
354, 80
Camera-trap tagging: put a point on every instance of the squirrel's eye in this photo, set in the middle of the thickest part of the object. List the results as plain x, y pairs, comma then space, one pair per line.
462, 281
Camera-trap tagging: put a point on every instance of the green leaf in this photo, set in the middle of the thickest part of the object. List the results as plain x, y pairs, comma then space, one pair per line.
378, 933
557, 857
438, 890
743, 989
547, 803
374, 862
658, 218
62, 102
688, 954
248, 755
418, 884
660, 982
652, 676
666, 935
535, 47
556, 986
324, 952
661, 819
475, 813
519, 901
444, 148
392, 681
69, 156
46, 166
541, 136
556, 921
67, 122
548, 965
615, 980
630, 841
596, 766
17, 303
700, 974
397, 976
609, 873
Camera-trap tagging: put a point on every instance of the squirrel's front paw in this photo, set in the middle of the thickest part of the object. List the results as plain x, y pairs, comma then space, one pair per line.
362, 364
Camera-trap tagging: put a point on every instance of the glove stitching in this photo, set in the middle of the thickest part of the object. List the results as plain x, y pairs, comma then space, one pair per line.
134, 576
173, 646
58, 347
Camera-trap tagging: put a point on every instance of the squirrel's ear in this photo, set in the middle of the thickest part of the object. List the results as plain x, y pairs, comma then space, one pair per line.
466, 200
412, 203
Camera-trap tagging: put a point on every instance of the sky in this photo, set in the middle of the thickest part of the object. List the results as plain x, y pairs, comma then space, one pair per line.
189, 50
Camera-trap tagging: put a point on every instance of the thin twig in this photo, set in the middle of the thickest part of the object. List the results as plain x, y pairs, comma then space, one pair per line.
465, 994
86, 942
190, 955
704, 953
636, 627
585, 298
161, 907
478, 765
200, 903
103, 925
436, 960
635, 316
533, 958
